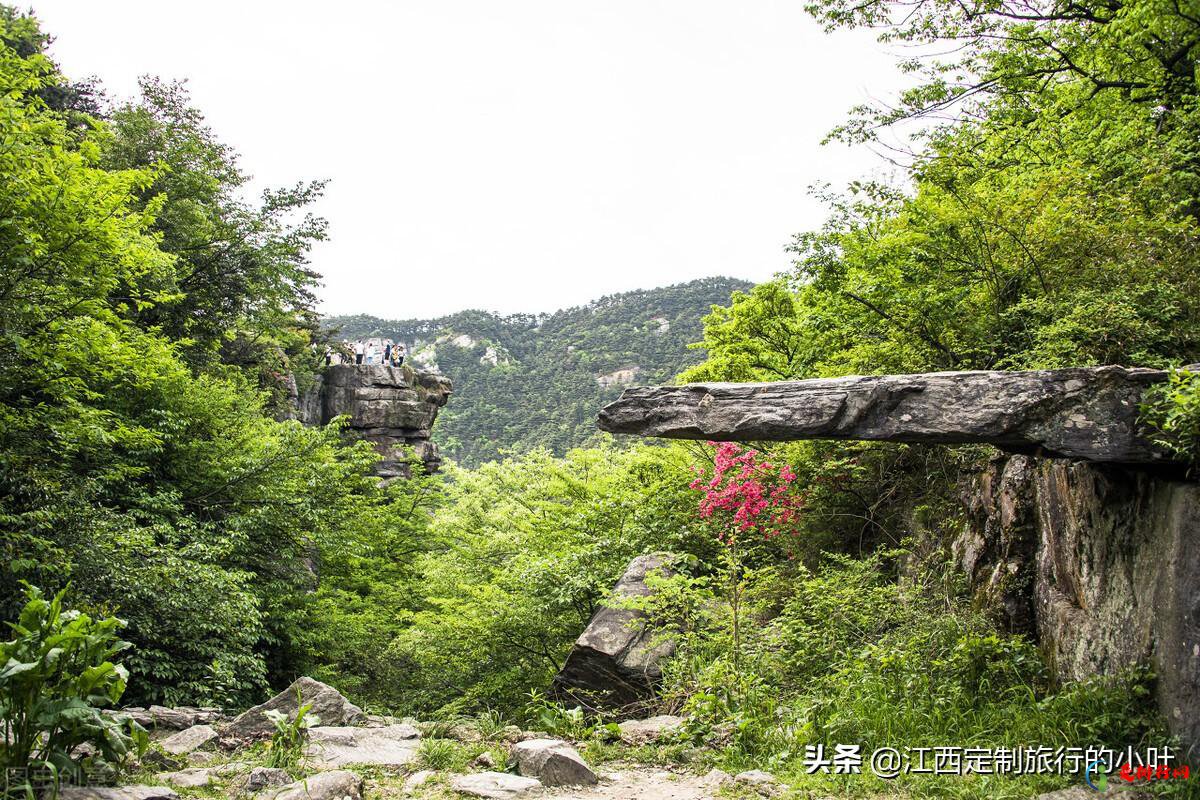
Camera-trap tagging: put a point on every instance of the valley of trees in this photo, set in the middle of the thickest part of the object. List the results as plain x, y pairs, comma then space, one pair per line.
150, 316
545, 388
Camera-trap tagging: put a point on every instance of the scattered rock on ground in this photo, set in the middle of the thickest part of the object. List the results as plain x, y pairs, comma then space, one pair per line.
511, 734
328, 705
232, 768
553, 762
643, 731
467, 734
175, 719
484, 760
264, 777
117, 793
716, 778
498, 785
336, 785
189, 739
763, 782
162, 760
391, 746
417, 780
201, 758
187, 778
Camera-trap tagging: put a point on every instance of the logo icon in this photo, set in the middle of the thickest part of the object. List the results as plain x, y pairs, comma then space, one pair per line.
1096, 776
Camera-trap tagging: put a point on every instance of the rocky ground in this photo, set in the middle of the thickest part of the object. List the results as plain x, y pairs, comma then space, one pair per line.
349, 755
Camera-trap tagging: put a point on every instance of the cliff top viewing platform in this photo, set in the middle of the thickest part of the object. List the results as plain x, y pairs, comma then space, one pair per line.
392, 407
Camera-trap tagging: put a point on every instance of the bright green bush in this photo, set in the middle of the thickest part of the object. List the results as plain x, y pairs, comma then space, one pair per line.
57, 676
1173, 411
287, 740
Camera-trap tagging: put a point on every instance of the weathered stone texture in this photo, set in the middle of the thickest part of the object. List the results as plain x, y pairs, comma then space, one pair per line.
616, 662
1088, 413
394, 408
337, 746
327, 705
1100, 564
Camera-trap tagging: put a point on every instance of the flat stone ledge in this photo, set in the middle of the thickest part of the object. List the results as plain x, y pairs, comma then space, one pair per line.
1088, 413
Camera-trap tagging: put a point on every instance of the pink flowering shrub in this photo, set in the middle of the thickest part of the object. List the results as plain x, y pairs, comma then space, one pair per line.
747, 493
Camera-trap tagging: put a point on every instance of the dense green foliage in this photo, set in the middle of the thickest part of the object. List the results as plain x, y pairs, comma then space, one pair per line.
137, 459
1173, 411
57, 676
149, 316
523, 381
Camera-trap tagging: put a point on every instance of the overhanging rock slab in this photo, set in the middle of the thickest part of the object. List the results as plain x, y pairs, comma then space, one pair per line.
1088, 413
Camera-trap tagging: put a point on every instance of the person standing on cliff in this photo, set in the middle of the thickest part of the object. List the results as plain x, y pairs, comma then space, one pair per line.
359, 352
387, 351
398, 354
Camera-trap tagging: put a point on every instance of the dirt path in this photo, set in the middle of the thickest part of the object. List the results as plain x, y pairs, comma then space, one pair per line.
638, 784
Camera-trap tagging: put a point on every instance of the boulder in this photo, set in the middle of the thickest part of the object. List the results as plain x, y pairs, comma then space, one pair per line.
616, 663
265, 777
644, 731
117, 793
189, 739
201, 758
716, 778
497, 785
417, 780
328, 705
553, 762
389, 746
761, 782
187, 778
337, 785
175, 719
1088, 413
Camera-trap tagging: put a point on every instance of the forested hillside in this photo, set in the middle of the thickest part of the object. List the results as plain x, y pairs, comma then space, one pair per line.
526, 381
152, 319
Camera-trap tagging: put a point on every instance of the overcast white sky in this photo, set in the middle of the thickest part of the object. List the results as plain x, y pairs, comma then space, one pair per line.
516, 156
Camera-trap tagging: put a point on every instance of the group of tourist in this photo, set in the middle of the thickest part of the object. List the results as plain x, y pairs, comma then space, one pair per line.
366, 351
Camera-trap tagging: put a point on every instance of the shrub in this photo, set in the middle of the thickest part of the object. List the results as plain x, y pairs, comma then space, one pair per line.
440, 754
287, 742
1173, 411
58, 673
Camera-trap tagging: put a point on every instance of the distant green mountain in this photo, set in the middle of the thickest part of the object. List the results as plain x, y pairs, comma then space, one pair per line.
524, 381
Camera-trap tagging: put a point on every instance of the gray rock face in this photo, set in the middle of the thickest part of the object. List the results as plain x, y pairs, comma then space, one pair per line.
265, 777
335, 785
762, 782
643, 731
1087, 413
391, 746
497, 785
615, 663
190, 739
117, 793
415, 781
392, 407
160, 719
328, 705
553, 762
1099, 563
187, 778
